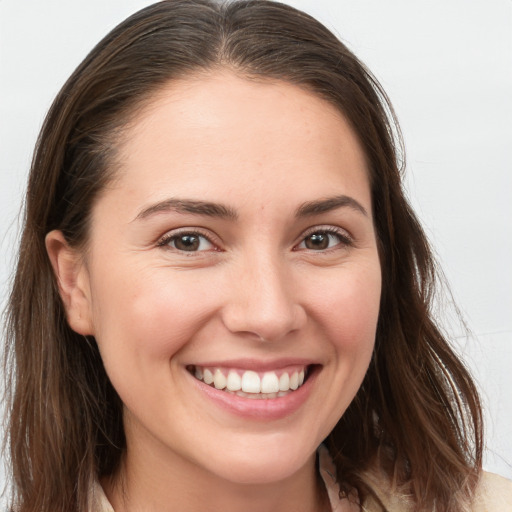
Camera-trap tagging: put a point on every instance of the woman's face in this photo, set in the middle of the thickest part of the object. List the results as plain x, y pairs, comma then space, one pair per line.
237, 244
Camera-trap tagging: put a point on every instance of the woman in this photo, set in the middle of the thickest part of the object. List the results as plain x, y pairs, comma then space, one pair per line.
222, 296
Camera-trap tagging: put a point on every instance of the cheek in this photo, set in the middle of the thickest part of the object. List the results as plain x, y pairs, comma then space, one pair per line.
348, 309
148, 318
346, 313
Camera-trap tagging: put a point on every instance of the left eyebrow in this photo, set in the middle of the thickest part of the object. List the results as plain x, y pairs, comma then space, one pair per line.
331, 203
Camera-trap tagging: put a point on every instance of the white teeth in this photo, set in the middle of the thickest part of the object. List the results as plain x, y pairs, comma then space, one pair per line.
207, 376
234, 382
269, 383
294, 381
219, 381
284, 382
251, 382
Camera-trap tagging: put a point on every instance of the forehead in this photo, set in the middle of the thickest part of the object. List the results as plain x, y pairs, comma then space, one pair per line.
222, 134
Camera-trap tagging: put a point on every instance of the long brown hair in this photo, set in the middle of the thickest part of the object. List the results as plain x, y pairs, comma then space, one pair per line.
416, 418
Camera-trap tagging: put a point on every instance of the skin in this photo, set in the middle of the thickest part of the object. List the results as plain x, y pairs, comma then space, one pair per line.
256, 289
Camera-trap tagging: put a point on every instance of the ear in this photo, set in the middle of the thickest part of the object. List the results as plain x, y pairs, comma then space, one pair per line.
73, 281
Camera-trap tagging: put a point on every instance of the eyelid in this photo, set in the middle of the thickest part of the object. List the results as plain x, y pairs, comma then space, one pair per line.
346, 238
164, 240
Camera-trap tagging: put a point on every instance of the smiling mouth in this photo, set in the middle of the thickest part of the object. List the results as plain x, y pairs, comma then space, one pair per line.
251, 384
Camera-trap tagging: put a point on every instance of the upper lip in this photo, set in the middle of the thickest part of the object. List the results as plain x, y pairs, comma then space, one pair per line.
256, 364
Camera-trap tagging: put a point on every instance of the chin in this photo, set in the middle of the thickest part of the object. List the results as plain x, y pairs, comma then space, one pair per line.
260, 473
261, 465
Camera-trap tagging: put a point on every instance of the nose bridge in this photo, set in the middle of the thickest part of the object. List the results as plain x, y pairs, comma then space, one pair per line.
263, 301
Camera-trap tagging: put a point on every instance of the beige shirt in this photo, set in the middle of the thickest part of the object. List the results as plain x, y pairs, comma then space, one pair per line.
494, 493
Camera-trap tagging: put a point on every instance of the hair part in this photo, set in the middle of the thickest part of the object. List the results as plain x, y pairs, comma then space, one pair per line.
416, 418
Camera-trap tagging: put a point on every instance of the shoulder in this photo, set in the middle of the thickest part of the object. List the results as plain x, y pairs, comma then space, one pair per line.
494, 494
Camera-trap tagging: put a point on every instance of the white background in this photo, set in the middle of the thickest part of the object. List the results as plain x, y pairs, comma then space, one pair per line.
447, 66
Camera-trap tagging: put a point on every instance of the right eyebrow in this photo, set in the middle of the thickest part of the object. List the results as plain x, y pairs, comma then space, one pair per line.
204, 208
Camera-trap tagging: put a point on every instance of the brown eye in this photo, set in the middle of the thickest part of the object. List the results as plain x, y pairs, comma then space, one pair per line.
189, 242
323, 240
317, 241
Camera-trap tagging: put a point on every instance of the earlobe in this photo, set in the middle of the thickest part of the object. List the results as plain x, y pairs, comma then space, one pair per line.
73, 282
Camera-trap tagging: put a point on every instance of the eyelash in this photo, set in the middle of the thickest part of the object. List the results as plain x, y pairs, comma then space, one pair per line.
344, 239
169, 237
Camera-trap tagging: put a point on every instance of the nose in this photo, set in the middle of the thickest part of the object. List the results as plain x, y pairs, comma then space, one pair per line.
263, 300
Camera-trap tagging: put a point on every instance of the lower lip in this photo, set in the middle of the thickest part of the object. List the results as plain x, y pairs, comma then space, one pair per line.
259, 409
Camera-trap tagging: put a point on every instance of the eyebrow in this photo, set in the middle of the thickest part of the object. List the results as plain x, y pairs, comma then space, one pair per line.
189, 206
210, 209
331, 203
